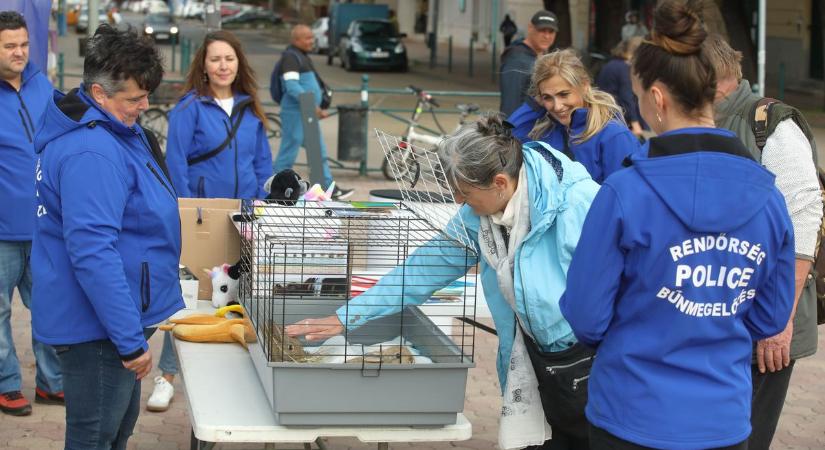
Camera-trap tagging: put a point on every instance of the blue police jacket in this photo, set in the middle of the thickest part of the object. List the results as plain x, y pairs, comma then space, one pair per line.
685, 258
602, 154
198, 125
557, 212
20, 119
107, 235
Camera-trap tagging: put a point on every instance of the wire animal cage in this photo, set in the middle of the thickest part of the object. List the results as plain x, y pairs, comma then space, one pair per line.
407, 363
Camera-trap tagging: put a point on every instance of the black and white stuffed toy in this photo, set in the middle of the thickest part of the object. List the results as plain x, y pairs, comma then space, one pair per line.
285, 187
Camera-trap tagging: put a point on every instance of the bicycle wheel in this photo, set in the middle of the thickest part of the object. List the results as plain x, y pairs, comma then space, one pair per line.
400, 163
156, 121
273, 125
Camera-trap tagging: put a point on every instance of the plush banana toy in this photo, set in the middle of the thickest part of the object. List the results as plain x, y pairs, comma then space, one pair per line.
213, 328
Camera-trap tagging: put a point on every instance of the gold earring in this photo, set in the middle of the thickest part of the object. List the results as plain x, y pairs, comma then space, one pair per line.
659, 117
500, 195
206, 80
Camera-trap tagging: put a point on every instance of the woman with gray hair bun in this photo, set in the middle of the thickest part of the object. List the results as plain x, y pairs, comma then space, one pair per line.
523, 208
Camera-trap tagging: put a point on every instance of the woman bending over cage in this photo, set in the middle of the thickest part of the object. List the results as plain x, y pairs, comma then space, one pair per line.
523, 209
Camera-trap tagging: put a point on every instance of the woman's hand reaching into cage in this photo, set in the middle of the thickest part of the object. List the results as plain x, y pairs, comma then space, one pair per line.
316, 329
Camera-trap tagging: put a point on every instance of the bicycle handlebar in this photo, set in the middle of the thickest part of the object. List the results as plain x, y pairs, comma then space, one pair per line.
423, 95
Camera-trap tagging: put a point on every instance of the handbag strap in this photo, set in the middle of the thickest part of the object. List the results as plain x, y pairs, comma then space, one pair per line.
239, 111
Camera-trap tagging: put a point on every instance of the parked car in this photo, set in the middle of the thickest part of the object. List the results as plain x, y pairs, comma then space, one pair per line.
320, 32
82, 25
252, 17
160, 27
372, 44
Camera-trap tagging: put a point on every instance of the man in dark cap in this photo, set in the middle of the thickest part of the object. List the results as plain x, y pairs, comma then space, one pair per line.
517, 60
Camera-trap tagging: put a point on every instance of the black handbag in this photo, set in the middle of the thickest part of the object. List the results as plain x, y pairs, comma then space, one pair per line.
562, 378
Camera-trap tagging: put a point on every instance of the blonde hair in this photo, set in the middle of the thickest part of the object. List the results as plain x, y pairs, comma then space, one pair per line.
726, 61
602, 107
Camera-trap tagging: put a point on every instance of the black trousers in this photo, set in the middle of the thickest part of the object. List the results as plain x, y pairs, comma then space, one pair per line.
602, 440
769, 390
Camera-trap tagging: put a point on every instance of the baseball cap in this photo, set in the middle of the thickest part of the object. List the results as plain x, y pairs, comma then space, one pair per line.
545, 19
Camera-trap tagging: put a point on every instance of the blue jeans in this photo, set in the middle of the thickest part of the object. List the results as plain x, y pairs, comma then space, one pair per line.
168, 363
15, 271
102, 396
292, 138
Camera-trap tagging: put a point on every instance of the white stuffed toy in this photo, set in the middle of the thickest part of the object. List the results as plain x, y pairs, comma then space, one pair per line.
225, 284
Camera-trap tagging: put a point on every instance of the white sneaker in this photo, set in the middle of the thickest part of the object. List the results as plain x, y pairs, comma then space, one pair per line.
161, 395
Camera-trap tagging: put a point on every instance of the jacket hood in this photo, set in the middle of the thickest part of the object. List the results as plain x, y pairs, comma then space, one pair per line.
548, 192
705, 179
67, 112
734, 102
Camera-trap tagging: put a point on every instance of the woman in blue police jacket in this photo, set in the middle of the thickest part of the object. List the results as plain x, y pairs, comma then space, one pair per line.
523, 210
685, 259
107, 238
217, 145
574, 117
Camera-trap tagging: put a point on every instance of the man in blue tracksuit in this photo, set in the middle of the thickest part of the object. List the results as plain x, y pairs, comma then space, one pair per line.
517, 60
684, 259
297, 76
24, 91
107, 238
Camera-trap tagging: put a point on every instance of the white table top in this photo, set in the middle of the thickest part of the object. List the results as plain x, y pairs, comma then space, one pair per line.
227, 402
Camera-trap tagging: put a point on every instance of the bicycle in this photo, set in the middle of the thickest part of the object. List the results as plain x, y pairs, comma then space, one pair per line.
412, 141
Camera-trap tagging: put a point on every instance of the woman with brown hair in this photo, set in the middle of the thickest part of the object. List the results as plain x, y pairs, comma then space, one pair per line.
217, 143
217, 148
684, 259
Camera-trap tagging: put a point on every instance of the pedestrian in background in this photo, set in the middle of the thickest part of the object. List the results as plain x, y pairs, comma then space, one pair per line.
107, 238
297, 75
508, 29
614, 78
685, 258
518, 59
632, 26
574, 116
788, 151
24, 93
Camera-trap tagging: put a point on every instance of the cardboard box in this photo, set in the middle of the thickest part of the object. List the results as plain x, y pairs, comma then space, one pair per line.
209, 237
189, 287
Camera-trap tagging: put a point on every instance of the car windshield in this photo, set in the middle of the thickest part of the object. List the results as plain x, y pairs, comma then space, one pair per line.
159, 18
376, 29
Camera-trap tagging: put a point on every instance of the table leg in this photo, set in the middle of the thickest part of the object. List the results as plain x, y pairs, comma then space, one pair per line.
196, 444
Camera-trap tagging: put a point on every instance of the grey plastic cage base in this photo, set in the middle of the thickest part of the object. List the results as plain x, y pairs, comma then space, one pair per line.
355, 395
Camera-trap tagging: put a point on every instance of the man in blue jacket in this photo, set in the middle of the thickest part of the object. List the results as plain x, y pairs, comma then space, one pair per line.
24, 91
517, 60
107, 238
297, 75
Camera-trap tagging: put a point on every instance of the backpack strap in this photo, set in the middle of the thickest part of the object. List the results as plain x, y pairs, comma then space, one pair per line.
239, 110
157, 154
759, 120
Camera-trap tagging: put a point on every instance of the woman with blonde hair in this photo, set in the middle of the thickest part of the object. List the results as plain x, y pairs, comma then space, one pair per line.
574, 116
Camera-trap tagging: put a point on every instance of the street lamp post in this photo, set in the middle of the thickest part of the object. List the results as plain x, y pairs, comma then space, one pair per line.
94, 6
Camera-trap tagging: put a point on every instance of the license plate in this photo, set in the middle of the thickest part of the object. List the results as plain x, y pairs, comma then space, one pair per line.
380, 54
163, 36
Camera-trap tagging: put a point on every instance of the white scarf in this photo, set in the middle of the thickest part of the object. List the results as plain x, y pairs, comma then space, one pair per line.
522, 422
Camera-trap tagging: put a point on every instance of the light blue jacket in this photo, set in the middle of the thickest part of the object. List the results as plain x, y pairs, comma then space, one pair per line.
557, 212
